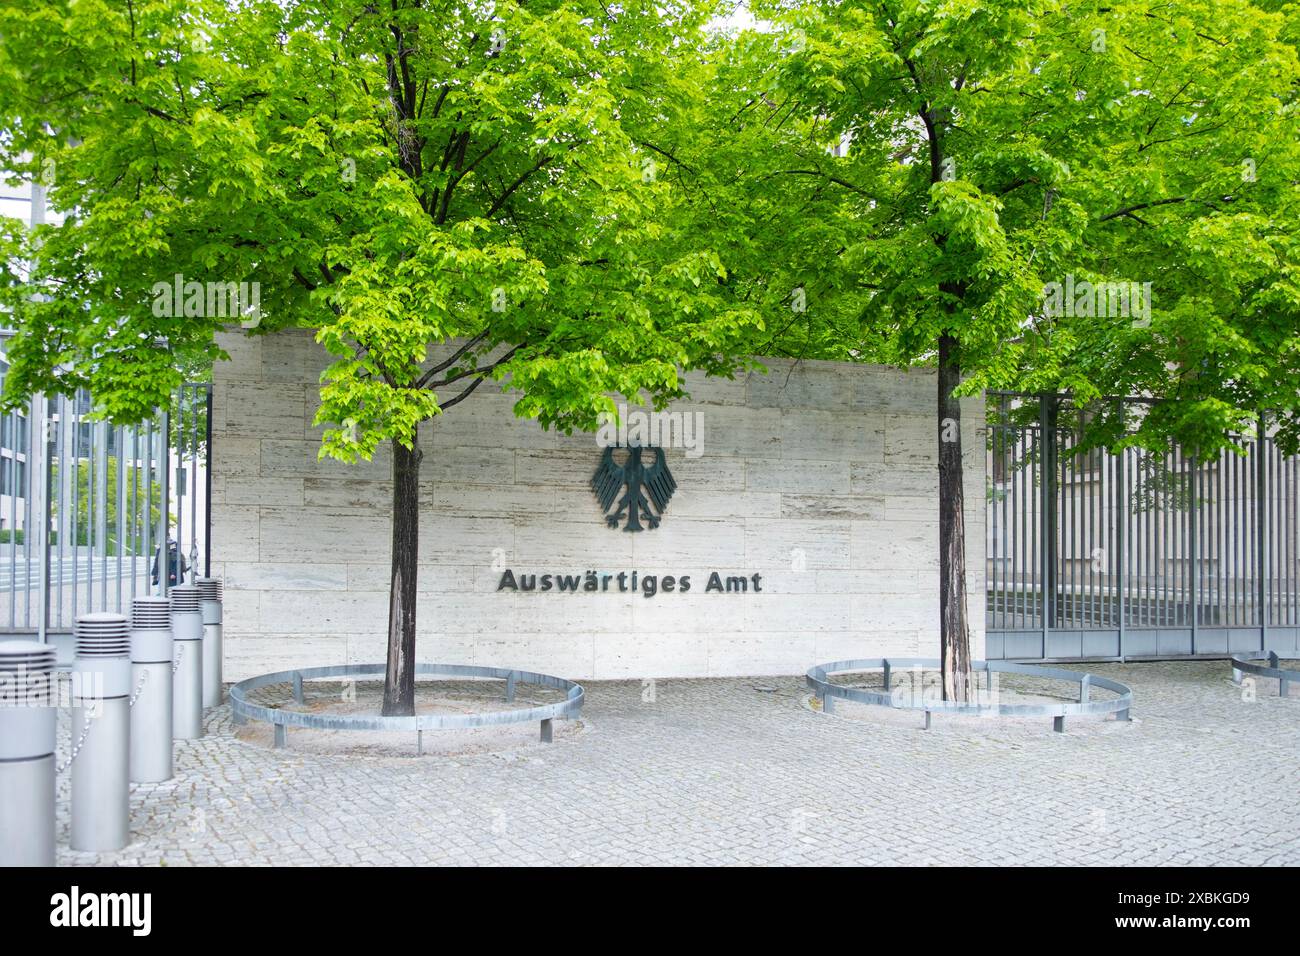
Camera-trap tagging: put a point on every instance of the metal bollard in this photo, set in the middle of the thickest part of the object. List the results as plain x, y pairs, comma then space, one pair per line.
187, 670
210, 609
101, 733
27, 721
151, 683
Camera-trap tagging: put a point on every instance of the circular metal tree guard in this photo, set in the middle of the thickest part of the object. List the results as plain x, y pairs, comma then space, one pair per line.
819, 681
567, 709
1247, 663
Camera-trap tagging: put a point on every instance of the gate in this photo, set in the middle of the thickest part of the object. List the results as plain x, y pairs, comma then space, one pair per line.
85, 507
1092, 555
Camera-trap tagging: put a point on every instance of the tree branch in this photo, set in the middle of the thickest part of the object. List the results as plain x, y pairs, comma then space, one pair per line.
462, 396
510, 190
1142, 205
456, 356
668, 155
817, 172
480, 372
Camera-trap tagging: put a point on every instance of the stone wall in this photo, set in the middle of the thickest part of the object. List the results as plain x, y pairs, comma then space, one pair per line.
820, 477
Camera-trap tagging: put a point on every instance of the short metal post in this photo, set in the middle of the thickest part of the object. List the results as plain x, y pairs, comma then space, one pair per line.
27, 745
101, 733
419, 743
1236, 675
510, 687
1283, 687
281, 738
1058, 724
151, 687
828, 703
548, 732
927, 720
1084, 686
887, 677
210, 609
297, 688
187, 671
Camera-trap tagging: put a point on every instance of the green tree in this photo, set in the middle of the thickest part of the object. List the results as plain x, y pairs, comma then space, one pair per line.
472, 181
998, 147
1185, 173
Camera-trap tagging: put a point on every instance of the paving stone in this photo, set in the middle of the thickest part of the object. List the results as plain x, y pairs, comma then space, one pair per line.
718, 773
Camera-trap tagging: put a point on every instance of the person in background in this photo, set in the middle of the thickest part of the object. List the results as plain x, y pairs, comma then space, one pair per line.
173, 555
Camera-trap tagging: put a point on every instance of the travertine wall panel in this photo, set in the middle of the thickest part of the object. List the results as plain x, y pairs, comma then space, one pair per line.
819, 477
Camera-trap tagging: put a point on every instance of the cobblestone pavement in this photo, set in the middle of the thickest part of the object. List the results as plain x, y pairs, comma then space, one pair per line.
745, 772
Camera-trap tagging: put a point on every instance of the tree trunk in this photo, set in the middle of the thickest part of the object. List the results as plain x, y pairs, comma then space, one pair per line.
399, 677
954, 629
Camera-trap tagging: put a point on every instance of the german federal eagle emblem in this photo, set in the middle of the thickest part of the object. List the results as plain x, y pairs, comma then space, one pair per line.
649, 487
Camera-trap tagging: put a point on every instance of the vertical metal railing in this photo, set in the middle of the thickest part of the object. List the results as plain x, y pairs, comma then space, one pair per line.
86, 507
1094, 554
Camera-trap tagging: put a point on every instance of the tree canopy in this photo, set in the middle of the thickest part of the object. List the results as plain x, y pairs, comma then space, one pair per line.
392, 178
997, 148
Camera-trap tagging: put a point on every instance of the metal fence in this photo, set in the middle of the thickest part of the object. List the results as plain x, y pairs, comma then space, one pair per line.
85, 507
1112, 556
